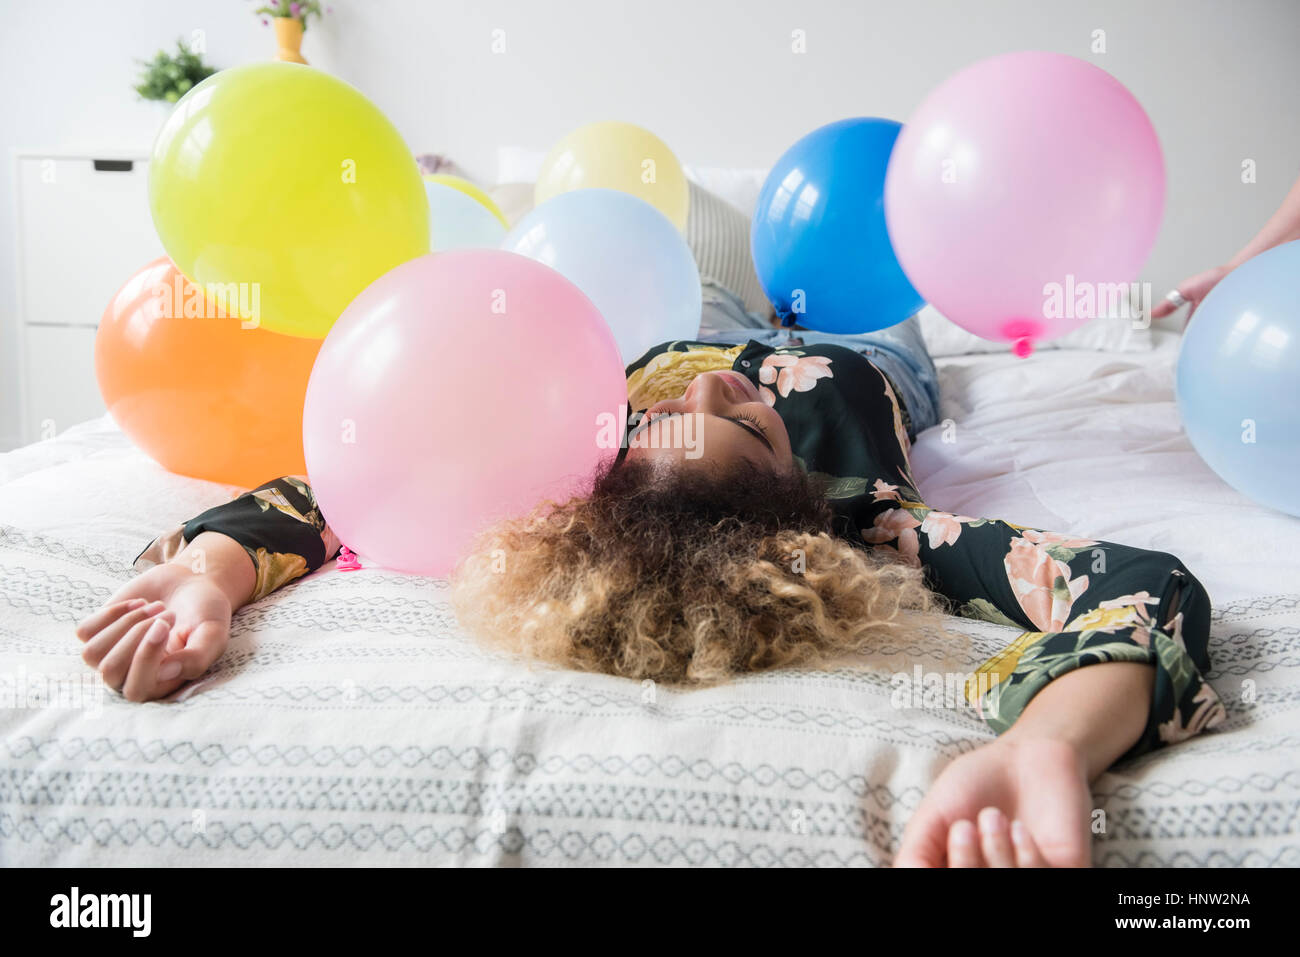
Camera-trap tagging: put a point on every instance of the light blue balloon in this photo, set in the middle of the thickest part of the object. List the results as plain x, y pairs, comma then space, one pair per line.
625, 255
458, 221
1239, 378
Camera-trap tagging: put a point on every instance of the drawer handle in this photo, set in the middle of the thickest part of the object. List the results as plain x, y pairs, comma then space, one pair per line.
113, 166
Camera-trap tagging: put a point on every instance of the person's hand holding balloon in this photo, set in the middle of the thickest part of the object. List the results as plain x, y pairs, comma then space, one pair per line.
1189, 293
1282, 227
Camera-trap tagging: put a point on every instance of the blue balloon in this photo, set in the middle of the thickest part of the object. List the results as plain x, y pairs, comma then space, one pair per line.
459, 221
627, 258
820, 245
1239, 378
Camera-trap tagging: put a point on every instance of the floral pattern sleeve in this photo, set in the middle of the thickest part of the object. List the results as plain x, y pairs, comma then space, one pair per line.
1080, 602
278, 524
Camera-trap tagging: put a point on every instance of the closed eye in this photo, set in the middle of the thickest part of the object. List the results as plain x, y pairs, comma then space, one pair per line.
746, 422
756, 430
646, 419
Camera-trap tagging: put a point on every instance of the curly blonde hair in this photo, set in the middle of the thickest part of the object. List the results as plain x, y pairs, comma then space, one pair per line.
686, 576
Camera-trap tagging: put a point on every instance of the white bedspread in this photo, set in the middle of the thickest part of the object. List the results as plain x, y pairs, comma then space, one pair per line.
351, 723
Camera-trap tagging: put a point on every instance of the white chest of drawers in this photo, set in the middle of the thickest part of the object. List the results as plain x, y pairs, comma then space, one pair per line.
83, 229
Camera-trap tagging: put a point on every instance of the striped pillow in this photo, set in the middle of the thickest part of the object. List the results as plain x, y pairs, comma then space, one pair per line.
718, 235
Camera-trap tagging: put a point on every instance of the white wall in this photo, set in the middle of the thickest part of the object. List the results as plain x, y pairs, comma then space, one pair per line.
715, 78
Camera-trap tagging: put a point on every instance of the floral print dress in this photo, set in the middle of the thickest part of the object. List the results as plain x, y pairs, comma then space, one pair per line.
1076, 601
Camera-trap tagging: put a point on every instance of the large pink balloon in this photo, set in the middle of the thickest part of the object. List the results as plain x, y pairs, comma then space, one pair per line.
1021, 177
458, 388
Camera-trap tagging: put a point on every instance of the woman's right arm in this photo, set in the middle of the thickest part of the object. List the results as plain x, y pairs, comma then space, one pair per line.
1283, 226
172, 622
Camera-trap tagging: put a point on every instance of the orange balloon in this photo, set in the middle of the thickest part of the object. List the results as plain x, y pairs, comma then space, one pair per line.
196, 391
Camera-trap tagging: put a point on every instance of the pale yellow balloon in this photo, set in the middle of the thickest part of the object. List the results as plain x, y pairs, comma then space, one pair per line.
613, 155
472, 190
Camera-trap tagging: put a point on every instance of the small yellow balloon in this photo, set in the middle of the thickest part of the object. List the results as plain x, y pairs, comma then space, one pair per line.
290, 183
471, 190
612, 155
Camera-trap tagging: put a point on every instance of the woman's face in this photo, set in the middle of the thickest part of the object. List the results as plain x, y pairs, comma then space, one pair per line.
720, 420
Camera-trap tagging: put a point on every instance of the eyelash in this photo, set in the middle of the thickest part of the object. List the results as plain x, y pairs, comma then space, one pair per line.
745, 416
752, 420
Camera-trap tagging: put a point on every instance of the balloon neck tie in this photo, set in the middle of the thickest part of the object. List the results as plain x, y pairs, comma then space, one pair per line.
347, 560
787, 320
1022, 333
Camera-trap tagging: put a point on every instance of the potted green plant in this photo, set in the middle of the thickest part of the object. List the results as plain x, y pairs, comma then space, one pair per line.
168, 77
290, 18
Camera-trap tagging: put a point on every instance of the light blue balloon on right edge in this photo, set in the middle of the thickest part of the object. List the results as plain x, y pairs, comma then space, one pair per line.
1239, 378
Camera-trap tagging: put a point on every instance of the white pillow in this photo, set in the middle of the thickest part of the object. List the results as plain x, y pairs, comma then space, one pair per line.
515, 200
739, 187
518, 164
945, 338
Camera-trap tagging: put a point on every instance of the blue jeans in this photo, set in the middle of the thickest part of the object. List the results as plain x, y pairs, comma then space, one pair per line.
899, 351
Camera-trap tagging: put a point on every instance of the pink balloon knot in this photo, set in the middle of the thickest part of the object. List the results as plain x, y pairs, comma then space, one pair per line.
1022, 333
347, 560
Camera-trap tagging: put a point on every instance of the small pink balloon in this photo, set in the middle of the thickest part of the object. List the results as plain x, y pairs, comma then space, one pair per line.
1021, 191
459, 388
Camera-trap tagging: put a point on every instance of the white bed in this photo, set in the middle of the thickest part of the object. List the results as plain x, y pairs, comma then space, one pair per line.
351, 724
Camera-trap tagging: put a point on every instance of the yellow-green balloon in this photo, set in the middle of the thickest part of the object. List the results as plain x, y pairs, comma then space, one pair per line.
286, 179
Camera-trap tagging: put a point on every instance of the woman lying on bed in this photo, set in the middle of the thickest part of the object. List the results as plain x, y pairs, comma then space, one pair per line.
797, 535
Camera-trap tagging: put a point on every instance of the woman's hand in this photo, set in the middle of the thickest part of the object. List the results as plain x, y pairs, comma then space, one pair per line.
1193, 289
1013, 803
162, 629
1037, 775
169, 625
1282, 227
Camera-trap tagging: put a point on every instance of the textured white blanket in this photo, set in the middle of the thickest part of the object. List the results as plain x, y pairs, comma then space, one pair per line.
351, 723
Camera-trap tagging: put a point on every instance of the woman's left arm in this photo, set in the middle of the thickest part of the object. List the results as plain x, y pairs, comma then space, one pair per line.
1109, 665
1080, 602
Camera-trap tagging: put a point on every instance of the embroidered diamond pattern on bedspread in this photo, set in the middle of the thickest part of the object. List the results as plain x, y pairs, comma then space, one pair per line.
351, 723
